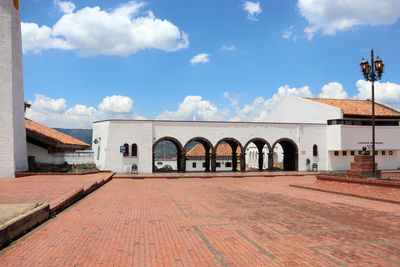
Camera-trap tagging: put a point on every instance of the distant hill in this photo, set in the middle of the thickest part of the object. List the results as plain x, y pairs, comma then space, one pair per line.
84, 135
167, 150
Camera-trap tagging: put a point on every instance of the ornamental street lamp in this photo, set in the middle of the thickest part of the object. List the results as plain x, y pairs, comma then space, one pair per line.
372, 73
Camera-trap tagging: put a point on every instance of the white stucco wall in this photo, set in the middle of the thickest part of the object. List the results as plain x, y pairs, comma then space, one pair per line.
42, 156
100, 134
114, 134
144, 133
299, 110
385, 162
13, 150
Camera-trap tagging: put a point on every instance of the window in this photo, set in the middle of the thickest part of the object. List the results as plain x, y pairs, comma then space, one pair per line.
360, 152
204, 164
383, 153
344, 153
376, 152
315, 150
126, 153
352, 153
134, 150
194, 165
218, 164
228, 164
390, 153
98, 152
336, 153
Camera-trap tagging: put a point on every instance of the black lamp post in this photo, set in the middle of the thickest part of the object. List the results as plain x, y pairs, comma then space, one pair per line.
372, 73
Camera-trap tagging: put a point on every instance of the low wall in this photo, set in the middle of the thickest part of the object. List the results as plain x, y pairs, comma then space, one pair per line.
386, 183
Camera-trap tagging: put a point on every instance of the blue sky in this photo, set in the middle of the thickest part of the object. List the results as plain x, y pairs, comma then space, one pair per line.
200, 60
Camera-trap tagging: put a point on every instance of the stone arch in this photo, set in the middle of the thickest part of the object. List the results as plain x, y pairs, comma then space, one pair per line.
290, 153
260, 143
207, 147
234, 144
180, 157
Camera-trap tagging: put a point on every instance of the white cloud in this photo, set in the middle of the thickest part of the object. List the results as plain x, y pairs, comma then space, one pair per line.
259, 109
333, 90
234, 102
116, 104
289, 34
45, 104
384, 92
194, 107
253, 9
35, 38
328, 16
92, 31
228, 48
54, 112
200, 58
65, 6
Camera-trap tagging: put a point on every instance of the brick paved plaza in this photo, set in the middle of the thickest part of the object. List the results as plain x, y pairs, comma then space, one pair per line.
213, 222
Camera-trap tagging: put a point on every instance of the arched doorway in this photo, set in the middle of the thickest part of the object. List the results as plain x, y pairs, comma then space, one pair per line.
228, 155
258, 154
287, 153
198, 152
168, 155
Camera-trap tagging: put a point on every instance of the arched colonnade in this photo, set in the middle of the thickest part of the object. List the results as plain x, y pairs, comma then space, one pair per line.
289, 147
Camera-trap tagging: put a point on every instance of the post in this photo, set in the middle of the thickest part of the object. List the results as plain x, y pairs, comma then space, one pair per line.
213, 162
260, 157
234, 146
373, 111
270, 161
207, 159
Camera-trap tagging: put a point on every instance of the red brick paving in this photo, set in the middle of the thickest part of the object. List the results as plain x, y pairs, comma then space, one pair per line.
51, 189
211, 174
214, 222
381, 193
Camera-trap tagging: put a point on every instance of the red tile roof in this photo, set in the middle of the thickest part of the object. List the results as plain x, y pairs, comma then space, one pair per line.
52, 137
351, 107
223, 150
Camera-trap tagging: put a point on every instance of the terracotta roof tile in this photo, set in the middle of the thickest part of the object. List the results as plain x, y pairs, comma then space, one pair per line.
50, 135
352, 107
223, 150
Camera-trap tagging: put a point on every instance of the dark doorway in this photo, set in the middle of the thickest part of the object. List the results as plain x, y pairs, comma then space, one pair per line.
285, 155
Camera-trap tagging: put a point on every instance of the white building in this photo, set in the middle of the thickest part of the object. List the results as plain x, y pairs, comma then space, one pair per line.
46, 145
196, 158
321, 132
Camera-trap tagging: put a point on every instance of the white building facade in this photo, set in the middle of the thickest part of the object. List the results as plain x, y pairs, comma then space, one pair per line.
296, 139
13, 150
308, 132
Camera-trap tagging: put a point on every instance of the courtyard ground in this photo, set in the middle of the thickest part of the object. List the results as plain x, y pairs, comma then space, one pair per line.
251, 221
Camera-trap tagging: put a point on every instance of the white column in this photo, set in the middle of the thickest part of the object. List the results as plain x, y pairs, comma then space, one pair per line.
13, 153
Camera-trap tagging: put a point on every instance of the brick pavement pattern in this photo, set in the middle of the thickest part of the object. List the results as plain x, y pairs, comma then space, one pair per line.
46, 188
214, 222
